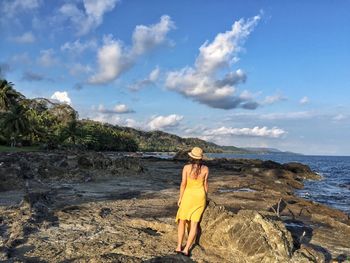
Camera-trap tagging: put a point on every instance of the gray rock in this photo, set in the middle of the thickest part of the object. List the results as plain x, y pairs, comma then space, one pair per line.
251, 235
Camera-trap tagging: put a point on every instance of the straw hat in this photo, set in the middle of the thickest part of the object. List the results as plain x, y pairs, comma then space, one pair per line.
196, 153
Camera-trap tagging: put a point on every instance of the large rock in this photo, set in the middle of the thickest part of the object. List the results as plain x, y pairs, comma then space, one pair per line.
181, 155
249, 235
302, 171
252, 236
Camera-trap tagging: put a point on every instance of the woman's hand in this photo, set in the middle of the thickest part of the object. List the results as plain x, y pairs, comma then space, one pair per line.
179, 202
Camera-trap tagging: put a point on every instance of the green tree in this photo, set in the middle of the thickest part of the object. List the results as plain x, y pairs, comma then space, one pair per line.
8, 95
15, 123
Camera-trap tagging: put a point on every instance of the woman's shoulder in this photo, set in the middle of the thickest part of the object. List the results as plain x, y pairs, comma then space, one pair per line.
187, 166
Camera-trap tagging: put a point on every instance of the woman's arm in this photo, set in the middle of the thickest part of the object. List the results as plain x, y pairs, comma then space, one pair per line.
206, 181
183, 184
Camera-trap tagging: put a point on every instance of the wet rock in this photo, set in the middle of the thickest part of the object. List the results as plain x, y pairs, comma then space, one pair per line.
301, 170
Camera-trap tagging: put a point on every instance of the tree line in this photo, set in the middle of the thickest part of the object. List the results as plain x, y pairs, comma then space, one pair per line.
41, 122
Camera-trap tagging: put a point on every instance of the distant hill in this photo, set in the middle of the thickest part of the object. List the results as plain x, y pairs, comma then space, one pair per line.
159, 141
266, 150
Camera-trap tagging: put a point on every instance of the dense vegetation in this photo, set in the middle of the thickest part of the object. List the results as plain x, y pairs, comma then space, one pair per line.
29, 122
44, 123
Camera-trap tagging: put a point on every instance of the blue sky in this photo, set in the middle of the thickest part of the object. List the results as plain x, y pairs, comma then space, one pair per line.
242, 73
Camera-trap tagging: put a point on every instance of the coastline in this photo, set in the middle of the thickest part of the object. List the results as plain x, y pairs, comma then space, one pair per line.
76, 197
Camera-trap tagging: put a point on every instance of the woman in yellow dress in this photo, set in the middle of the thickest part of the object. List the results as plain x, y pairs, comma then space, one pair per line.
192, 200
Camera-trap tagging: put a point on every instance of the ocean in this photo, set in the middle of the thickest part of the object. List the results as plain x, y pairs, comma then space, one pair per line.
332, 190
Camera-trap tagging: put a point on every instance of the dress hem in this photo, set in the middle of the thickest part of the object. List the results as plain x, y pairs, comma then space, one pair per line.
177, 220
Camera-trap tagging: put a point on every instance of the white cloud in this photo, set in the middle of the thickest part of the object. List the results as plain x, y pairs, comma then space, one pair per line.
26, 38
164, 122
114, 119
251, 132
119, 109
12, 7
201, 83
273, 99
154, 123
111, 62
104, 118
145, 38
153, 76
194, 131
47, 58
78, 47
304, 100
150, 80
62, 97
91, 17
122, 108
113, 59
246, 95
131, 123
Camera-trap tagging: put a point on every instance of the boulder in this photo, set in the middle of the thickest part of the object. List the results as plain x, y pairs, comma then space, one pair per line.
181, 155
302, 171
250, 235
253, 236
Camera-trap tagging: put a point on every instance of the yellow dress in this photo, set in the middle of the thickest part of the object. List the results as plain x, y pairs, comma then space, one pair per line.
193, 201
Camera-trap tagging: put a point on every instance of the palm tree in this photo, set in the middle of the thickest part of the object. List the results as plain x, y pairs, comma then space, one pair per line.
15, 123
8, 95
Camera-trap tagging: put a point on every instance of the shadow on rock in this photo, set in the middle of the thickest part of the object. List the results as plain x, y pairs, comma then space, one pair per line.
170, 259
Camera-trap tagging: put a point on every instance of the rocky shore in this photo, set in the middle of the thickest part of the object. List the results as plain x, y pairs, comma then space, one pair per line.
100, 207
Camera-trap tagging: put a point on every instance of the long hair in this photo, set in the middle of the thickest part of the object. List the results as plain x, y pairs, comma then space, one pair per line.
196, 164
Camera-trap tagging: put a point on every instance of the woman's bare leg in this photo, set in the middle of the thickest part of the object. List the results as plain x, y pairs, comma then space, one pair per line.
191, 237
180, 234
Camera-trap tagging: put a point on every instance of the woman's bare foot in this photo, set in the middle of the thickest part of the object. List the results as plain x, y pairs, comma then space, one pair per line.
178, 250
185, 252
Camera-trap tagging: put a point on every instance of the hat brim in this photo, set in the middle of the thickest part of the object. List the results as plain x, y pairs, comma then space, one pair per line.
194, 156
